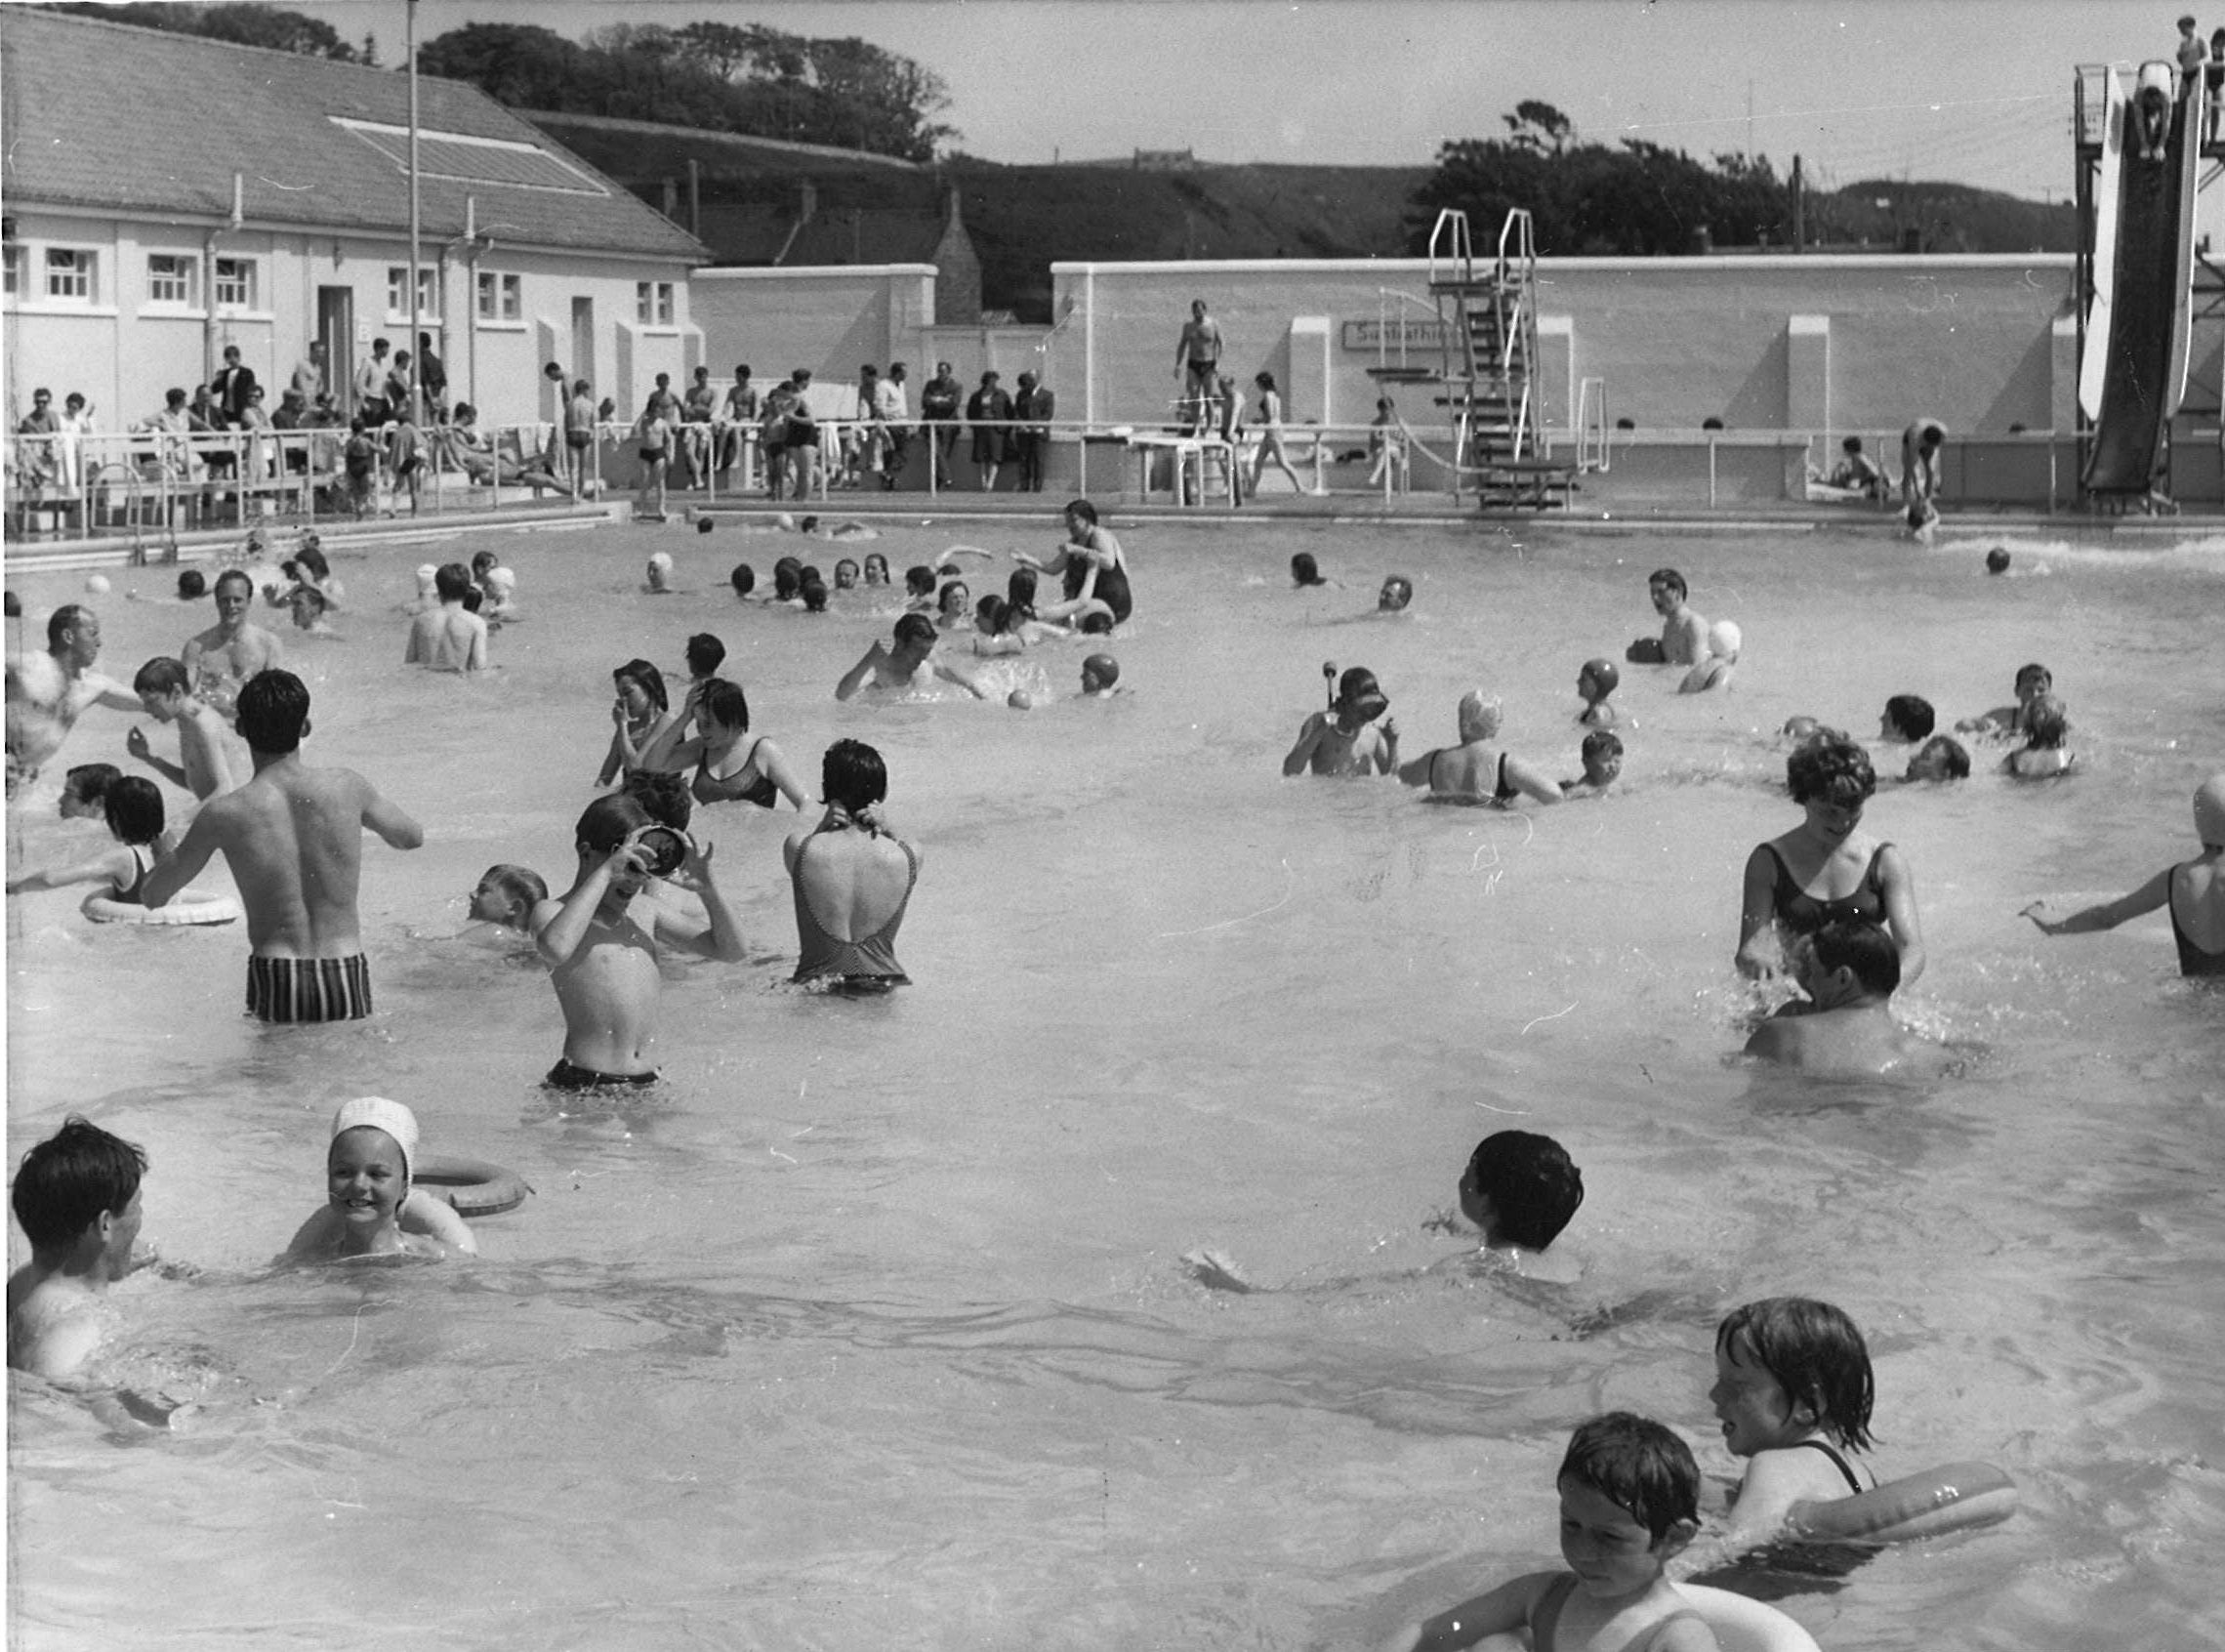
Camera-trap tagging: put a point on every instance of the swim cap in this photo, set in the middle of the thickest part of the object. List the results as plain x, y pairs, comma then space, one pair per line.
375, 1112
1103, 666
502, 580
1996, 560
2209, 810
662, 559
1602, 671
1480, 715
1724, 638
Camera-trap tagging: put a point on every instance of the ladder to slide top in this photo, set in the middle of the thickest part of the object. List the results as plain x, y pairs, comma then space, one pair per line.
1491, 346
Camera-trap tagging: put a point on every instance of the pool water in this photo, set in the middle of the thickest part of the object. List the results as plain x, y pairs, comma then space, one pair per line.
873, 1326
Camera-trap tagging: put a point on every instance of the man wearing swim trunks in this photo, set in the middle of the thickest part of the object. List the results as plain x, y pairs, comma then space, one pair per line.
293, 837
1198, 356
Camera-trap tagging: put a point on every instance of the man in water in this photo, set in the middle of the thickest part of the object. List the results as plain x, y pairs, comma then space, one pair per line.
1846, 1027
450, 637
293, 837
1683, 639
47, 692
233, 649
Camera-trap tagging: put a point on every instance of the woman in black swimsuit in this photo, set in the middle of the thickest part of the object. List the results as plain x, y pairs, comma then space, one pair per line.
1826, 869
727, 765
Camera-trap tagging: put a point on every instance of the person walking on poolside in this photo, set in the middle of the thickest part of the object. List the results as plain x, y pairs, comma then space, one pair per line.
220, 658
47, 692
1270, 437
293, 839
1921, 445
1197, 357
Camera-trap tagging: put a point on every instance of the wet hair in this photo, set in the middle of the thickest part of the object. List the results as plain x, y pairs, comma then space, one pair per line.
942, 595
743, 579
2047, 721
1020, 591
1304, 570
1532, 1185
1911, 715
787, 579
1084, 509
651, 680
919, 580
1997, 559
1866, 949
1397, 592
272, 710
814, 594
161, 674
915, 628
1816, 1356
874, 560
473, 598
452, 580
852, 774
663, 796
725, 704
1095, 624
841, 564
191, 585
89, 782
1950, 749
994, 613
705, 654
518, 883
227, 576
609, 821
132, 805
481, 560
1602, 743
66, 1182
63, 620
1829, 768
1641, 1467
2025, 671
1671, 578
312, 558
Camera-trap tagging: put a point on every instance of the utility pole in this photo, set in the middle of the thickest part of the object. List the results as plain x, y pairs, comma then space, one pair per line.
1799, 204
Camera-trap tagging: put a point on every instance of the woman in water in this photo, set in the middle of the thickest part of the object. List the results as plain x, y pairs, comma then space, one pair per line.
852, 879
729, 767
2193, 891
1094, 570
641, 713
1826, 869
1478, 771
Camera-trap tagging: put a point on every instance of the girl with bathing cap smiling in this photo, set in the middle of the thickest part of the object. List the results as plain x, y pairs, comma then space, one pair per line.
370, 1208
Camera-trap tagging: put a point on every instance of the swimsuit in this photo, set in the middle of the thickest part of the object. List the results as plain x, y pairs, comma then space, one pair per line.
1853, 1480
2192, 961
1500, 793
1545, 1617
568, 1074
1111, 588
1803, 914
868, 965
134, 895
309, 989
709, 788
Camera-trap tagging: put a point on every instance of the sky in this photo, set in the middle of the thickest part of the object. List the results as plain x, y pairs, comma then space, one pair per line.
1975, 91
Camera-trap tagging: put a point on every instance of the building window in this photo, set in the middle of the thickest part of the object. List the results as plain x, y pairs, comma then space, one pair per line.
15, 267
235, 283
427, 293
69, 275
502, 298
652, 303
170, 278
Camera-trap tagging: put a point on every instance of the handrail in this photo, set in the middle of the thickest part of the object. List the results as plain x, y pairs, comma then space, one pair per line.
1592, 450
1383, 323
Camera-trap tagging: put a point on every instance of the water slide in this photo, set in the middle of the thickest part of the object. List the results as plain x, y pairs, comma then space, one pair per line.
2132, 376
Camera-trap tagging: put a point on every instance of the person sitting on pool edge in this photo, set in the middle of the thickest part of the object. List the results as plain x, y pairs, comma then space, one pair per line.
860, 876
1342, 740
2046, 724
1844, 1028
1683, 639
370, 1208
1521, 1189
1594, 681
77, 1198
1602, 765
907, 667
602, 959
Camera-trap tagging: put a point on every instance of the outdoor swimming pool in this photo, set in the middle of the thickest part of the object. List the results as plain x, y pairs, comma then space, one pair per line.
872, 1326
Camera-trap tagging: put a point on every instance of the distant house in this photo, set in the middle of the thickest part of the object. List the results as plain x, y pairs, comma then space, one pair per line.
168, 195
765, 203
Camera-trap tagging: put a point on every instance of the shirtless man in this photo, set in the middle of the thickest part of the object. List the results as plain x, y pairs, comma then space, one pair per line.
204, 765
293, 837
47, 692
910, 666
1197, 357
1683, 637
1344, 739
450, 637
231, 651
1846, 1029
77, 1197
603, 958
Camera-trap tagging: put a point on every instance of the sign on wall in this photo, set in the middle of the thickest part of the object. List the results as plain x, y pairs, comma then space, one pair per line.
1399, 333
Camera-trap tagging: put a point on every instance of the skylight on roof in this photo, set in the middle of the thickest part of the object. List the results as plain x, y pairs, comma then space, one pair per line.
464, 159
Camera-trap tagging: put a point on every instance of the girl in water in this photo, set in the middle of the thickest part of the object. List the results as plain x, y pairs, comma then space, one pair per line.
132, 808
640, 714
728, 765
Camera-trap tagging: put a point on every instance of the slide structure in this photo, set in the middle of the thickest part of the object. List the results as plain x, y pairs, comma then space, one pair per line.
2132, 376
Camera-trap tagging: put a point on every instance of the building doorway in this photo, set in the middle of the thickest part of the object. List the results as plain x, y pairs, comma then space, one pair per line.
336, 345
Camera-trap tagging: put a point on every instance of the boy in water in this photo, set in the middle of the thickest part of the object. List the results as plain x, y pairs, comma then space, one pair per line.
1846, 1027
1597, 680
1629, 1501
204, 744
507, 895
1342, 740
2046, 724
2032, 682
77, 1198
1602, 765
1521, 1189
1909, 718
907, 667
449, 637
85, 789
603, 960
1683, 639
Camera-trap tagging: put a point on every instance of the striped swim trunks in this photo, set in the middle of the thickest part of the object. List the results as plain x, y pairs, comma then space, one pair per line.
309, 989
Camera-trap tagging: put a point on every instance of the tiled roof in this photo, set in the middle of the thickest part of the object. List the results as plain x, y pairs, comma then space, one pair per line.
142, 122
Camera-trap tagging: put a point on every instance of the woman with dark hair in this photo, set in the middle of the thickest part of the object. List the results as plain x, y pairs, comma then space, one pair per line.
729, 767
1094, 571
640, 716
852, 879
1826, 870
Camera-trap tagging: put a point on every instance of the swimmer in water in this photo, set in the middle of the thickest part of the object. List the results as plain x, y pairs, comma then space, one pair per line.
1602, 765
370, 1208
221, 658
2047, 724
2193, 891
77, 1198
1597, 680
659, 575
1908, 720
207, 764
1304, 571
1343, 740
2032, 682
507, 895
1940, 757
1521, 1189
1397, 591
1478, 771
1844, 1028
845, 574
49, 691
1683, 639
1714, 671
1101, 678
876, 568
133, 809
84, 790
907, 666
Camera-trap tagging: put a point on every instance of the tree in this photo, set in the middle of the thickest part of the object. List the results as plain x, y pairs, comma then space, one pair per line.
518, 65
241, 25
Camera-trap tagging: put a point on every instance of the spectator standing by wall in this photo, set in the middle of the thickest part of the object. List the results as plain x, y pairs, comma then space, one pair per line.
939, 399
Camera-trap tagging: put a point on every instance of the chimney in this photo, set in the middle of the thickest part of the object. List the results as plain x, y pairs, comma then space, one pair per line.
952, 217
807, 207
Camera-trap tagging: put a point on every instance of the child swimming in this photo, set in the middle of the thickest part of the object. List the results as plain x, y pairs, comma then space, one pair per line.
1602, 765
370, 1208
1594, 681
1940, 757
1629, 1503
1100, 677
1521, 1189
133, 809
507, 895
1908, 720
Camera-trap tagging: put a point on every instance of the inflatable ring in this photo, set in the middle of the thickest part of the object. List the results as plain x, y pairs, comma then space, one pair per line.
474, 1187
187, 906
1921, 1506
1742, 1625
